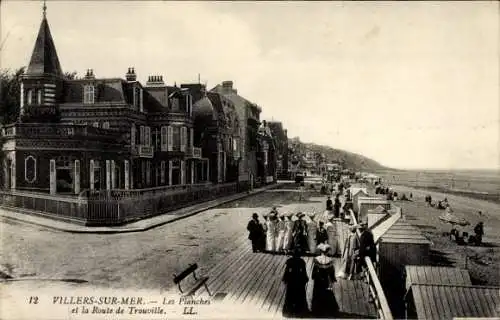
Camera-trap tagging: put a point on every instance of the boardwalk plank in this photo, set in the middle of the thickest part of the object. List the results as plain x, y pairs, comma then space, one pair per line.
266, 283
249, 276
219, 274
238, 277
262, 276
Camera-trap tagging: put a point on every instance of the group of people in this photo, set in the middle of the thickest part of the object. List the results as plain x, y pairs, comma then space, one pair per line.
285, 232
323, 302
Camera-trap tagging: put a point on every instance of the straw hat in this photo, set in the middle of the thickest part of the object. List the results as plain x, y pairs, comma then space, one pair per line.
323, 247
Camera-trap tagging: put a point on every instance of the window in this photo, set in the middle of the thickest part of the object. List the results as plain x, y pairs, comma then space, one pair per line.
162, 172
96, 124
29, 97
183, 138
175, 104
30, 169
142, 134
163, 137
132, 135
177, 136
39, 96
147, 136
88, 94
170, 139
105, 125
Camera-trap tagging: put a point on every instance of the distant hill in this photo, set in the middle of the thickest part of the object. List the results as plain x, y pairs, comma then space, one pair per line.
347, 159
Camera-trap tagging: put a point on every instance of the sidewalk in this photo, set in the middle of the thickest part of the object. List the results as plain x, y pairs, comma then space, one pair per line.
142, 225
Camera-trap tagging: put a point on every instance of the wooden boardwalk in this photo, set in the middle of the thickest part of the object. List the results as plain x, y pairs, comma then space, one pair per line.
252, 281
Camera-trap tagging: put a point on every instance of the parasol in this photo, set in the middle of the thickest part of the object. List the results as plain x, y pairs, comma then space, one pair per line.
453, 219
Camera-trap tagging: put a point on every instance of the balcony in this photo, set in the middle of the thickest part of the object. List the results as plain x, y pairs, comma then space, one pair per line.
143, 151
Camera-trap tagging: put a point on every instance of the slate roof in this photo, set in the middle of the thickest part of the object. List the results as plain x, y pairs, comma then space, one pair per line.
44, 58
402, 232
439, 301
436, 275
107, 90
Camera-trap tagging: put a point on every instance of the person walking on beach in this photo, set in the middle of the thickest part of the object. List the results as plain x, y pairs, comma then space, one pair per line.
479, 231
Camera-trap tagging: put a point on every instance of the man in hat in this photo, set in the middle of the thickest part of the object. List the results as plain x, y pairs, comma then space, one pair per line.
366, 243
300, 233
321, 234
256, 233
329, 204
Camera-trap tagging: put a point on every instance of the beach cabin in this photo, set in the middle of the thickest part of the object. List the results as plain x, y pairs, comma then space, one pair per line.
378, 215
356, 193
450, 301
399, 244
369, 203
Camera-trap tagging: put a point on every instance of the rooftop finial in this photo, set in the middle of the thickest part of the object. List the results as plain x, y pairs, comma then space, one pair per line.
44, 9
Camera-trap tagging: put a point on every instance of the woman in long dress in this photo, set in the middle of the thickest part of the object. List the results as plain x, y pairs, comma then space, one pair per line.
271, 233
311, 233
300, 233
295, 279
331, 230
288, 238
324, 304
281, 228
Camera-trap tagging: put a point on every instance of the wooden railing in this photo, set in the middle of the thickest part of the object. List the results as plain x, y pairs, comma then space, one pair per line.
376, 291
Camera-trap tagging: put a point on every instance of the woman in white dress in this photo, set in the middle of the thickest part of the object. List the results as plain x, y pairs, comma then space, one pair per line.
281, 228
271, 233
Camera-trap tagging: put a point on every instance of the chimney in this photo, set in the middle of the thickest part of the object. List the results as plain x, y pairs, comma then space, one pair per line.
227, 86
131, 76
155, 81
89, 74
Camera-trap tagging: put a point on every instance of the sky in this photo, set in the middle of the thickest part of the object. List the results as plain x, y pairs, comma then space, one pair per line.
410, 84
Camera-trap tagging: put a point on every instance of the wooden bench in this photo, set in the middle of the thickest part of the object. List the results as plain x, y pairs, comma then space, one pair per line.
196, 285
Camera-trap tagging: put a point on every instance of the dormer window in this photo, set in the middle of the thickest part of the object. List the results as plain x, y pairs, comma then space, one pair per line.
88, 94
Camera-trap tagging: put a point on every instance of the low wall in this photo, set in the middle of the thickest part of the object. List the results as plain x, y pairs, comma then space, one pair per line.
115, 207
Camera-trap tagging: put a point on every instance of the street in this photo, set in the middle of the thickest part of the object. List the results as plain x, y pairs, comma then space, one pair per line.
143, 260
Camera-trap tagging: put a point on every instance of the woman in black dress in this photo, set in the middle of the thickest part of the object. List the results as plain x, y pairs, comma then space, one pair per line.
323, 303
295, 279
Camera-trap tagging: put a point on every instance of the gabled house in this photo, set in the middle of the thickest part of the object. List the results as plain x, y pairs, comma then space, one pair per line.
94, 133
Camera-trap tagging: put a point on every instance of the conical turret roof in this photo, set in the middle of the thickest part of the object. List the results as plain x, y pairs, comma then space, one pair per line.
44, 58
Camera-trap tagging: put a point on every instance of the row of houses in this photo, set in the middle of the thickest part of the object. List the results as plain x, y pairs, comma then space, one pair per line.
94, 134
